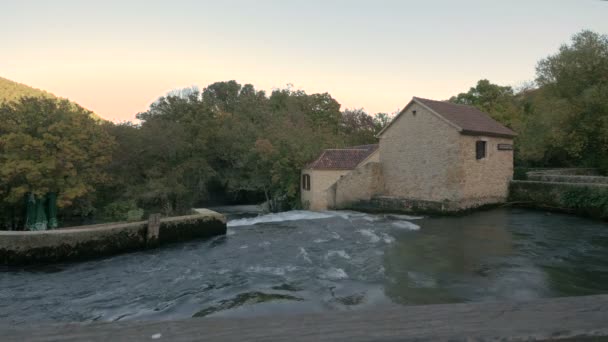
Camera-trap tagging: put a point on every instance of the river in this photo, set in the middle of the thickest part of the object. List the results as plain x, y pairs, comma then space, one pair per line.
301, 262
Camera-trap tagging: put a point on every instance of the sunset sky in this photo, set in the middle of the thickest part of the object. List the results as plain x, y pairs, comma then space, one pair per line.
116, 57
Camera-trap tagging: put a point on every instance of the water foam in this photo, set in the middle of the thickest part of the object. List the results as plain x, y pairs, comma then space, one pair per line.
294, 215
406, 225
373, 238
387, 238
335, 273
272, 270
334, 236
340, 253
304, 255
370, 218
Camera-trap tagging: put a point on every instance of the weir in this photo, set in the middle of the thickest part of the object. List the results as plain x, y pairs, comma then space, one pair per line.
84, 242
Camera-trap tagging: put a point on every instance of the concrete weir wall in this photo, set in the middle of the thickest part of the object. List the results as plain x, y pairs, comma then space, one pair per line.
83, 242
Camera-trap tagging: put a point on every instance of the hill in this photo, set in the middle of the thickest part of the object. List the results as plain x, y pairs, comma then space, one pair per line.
11, 91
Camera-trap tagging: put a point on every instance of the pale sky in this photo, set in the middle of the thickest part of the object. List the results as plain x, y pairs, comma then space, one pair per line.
116, 57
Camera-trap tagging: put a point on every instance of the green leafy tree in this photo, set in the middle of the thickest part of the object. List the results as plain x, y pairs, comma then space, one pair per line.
496, 100
50, 146
575, 85
360, 128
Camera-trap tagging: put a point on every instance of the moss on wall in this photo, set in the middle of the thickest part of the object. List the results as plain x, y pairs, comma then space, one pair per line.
583, 199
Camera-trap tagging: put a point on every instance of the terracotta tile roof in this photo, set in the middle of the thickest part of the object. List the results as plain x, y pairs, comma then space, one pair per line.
471, 120
342, 158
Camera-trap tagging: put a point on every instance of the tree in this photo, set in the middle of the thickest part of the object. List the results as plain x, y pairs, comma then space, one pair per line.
49, 146
575, 80
360, 128
496, 100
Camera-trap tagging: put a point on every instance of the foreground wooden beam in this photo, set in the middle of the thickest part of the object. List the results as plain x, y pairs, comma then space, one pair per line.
570, 319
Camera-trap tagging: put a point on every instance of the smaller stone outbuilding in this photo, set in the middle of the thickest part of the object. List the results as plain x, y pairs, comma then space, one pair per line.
320, 175
433, 156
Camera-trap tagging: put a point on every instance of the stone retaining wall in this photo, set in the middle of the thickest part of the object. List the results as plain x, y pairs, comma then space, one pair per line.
587, 199
567, 178
388, 204
25, 247
574, 171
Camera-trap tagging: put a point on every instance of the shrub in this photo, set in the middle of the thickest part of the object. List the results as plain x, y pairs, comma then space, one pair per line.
122, 210
519, 173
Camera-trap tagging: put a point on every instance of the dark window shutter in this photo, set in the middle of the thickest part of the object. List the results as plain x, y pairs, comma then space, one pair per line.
480, 149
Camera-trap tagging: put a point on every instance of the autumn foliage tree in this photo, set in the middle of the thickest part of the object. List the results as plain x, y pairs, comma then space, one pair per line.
50, 146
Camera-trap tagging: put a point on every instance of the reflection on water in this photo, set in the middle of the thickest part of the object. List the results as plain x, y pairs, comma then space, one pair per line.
298, 262
452, 259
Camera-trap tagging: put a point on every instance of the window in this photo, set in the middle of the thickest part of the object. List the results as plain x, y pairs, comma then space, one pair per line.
480, 149
306, 182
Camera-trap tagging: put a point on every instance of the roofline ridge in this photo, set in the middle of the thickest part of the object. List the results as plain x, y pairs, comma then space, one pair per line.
448, 102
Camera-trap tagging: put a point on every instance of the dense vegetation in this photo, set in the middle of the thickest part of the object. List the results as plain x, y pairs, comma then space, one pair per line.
228, 143
233, 143
49, 146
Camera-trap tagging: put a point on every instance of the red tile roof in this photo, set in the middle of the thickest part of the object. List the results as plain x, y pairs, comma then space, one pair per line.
343, 158
471, 120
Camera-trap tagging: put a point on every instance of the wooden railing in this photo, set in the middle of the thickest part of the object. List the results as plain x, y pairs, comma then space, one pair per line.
571, 319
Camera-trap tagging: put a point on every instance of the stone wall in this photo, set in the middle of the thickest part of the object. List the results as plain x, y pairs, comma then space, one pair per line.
361, 184
387, 204
24, 247
419, 156
318, 197
485, 180
578, 198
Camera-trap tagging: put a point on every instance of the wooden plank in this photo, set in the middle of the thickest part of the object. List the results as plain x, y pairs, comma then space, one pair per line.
570, 318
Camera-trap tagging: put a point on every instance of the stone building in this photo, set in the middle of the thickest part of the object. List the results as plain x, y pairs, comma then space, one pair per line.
326, 170
433, 156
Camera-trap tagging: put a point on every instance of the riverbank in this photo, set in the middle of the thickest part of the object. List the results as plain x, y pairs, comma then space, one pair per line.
85, 242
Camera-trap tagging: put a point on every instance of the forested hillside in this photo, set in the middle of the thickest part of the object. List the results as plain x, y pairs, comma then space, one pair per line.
12, 91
